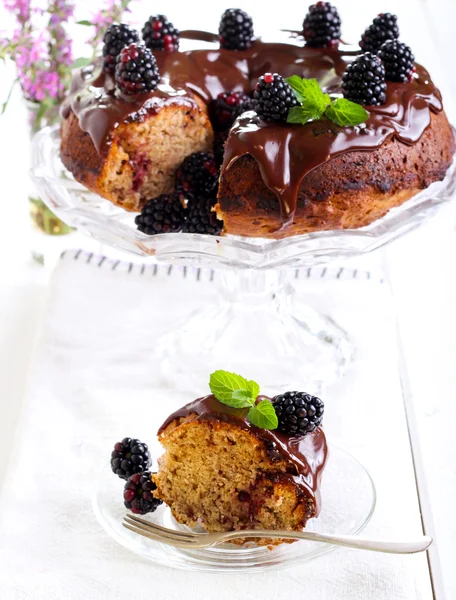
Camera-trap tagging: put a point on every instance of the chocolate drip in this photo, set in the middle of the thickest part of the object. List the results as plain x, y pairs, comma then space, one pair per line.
306, 454
285, 153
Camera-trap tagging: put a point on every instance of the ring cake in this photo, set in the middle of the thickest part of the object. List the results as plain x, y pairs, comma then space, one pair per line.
277, 178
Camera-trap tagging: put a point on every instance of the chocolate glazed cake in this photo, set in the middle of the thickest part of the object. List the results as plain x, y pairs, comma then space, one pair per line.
225, 473
276, 180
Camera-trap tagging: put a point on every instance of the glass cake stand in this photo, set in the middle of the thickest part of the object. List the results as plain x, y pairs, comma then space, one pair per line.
256, 327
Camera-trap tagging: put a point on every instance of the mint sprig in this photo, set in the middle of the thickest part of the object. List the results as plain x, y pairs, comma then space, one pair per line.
315, 105
236, 391
346, 113
263, 415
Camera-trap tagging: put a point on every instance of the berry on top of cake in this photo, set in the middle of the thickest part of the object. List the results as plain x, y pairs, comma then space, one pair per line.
236, 30
309, 135
160, 34
383, 28
321, 27
237, 460
115, 38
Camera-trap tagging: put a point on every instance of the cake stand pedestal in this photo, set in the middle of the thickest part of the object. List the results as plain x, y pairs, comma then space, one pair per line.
256, 326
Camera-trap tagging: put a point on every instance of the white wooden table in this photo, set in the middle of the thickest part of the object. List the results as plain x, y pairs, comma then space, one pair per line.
420, 267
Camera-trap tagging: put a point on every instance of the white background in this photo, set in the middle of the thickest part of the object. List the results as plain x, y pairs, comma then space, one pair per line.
421, 267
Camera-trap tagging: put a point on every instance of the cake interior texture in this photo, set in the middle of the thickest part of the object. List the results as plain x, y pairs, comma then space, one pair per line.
219, 474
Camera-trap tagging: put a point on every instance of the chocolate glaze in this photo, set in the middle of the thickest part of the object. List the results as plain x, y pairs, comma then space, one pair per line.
284, 153
306, 454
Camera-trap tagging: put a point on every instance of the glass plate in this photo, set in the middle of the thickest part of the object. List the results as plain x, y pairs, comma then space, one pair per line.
348, 501
114, 226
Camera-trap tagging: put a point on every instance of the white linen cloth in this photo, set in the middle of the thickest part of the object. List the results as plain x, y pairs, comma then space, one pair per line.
92, 382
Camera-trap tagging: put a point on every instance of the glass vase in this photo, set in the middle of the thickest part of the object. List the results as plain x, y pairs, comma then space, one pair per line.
49, 237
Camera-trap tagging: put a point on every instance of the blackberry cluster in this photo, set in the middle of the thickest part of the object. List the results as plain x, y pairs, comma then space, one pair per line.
129, 456
198, 175
139, 494
398, 60
364, 80
273, 98
165, 214
298, 413
383, 28
160, 34
236, 30
136, 70
227, 107
115, 38
201, 218
321, 26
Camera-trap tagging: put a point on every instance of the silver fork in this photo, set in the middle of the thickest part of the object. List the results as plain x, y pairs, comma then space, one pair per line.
182, 539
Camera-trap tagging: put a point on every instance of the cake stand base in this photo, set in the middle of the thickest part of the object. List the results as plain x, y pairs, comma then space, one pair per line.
257, 329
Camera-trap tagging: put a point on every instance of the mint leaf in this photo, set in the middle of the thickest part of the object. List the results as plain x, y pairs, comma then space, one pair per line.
346, 113
239, 399
263, 415
301, 115
233, 390
253, 388
308, 91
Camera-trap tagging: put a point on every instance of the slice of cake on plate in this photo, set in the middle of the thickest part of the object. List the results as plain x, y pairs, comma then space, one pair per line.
235, 460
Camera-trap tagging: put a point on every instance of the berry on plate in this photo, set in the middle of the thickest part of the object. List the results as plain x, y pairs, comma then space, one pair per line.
201, 218
139, 494
165, 214
129, 456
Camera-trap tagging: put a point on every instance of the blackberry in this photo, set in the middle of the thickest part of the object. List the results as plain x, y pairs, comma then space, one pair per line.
273, 97
160, 34
165, 214
236, 30
198, 175
136, 70
139, 494
298, 413
384, 27
115, 38
220, 138
227, 107
398, 60
321, 26
201, 218
364, 80
129, 456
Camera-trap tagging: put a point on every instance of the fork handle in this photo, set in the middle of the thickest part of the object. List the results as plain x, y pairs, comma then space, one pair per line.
350, 541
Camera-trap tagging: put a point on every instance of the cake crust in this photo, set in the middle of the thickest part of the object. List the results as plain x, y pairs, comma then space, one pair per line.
347, 192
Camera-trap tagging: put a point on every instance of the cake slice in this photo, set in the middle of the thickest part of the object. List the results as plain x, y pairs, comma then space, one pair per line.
223, 472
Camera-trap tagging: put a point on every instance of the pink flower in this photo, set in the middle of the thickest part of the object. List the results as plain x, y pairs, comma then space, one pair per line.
21, 8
